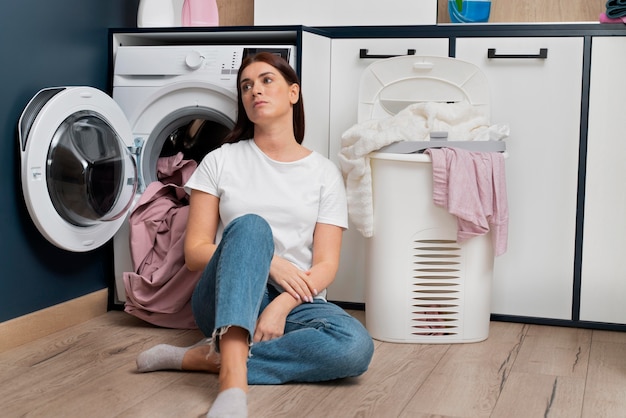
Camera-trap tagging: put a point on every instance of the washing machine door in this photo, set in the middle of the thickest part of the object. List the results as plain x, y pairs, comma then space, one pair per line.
78, 176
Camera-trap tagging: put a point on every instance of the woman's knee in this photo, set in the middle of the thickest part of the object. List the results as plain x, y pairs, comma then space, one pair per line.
252, 228
358, 351
251, 220
353, 345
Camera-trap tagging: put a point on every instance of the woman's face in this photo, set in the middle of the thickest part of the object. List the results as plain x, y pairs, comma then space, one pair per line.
265, 94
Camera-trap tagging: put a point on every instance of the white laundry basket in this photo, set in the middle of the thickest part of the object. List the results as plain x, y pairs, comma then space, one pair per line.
421, 285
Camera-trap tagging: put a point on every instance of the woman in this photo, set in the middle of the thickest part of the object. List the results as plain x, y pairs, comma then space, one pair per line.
277, 211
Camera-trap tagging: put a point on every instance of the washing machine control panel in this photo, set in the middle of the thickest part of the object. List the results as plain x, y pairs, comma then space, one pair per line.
194, 60
161, 65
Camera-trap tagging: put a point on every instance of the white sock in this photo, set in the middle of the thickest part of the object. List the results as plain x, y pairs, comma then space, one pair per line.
231, 403
165, 357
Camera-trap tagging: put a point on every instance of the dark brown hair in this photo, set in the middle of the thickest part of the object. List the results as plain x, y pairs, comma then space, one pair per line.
244, 128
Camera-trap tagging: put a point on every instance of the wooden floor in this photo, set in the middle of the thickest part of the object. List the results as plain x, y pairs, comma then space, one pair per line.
519, 371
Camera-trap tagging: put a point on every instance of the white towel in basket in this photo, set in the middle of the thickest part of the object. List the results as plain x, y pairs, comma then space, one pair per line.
461, 120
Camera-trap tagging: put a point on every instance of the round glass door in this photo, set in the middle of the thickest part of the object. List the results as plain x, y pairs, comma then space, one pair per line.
90, 173
78, 176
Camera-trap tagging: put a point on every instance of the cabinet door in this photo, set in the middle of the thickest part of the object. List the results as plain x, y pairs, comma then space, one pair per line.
315, 73
539, 98
603, 272
346, 70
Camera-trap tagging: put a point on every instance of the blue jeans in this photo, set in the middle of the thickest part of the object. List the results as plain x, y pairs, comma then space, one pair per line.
321, 341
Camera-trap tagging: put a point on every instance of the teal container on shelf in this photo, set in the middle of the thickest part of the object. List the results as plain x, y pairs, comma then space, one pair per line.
470, 11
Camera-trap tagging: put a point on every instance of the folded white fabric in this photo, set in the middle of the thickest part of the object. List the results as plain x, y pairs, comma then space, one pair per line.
461, 120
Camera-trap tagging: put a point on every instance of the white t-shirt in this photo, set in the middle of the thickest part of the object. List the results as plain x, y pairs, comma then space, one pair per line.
291, 196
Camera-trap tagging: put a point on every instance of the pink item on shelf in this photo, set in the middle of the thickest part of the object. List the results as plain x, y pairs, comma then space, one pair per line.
200, 13
605, 19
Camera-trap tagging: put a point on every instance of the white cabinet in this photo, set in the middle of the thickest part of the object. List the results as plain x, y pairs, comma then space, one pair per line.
536, 85
315, 72
603, 276
346, 70
540, 99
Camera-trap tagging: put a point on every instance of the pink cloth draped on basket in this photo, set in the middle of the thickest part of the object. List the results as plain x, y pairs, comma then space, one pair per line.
472, 187
159, 290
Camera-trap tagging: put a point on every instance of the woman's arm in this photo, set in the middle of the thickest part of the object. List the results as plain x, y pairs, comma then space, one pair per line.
201, 229
303, 285
326, 251
299, 286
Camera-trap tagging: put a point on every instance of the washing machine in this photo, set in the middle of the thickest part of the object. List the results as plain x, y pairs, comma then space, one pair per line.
86, 157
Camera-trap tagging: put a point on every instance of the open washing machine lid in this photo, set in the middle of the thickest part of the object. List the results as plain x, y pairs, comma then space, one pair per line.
78, 175
390, 85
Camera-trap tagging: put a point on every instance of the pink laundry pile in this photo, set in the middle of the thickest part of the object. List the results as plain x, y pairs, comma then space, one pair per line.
159, 290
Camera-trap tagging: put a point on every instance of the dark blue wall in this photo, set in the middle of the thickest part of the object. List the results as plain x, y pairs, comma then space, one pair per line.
43, 44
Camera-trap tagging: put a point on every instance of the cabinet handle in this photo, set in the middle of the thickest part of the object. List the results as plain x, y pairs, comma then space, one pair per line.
363, 53
543, 54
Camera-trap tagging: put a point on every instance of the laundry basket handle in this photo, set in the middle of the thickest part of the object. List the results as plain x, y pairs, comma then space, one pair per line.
363, 53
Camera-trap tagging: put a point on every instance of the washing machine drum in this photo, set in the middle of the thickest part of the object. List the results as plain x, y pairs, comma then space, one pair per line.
78, 175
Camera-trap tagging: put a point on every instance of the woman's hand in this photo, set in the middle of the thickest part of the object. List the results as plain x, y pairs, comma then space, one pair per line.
271, 322
293, 280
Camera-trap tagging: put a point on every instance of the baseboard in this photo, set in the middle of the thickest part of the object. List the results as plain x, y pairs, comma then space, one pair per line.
33, 326
356, 306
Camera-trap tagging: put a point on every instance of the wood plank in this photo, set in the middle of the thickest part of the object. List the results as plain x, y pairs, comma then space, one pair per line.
469, 378
174, 400
396, 373
609, 336
236, 12
546, 11
109, 394
519, 371
33, 326
540, 395
512, 11
290, 400
75, 357
9, 372
555, 351
605, 395
88, 336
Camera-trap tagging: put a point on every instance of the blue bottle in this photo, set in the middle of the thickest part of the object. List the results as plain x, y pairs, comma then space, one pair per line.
471, 11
